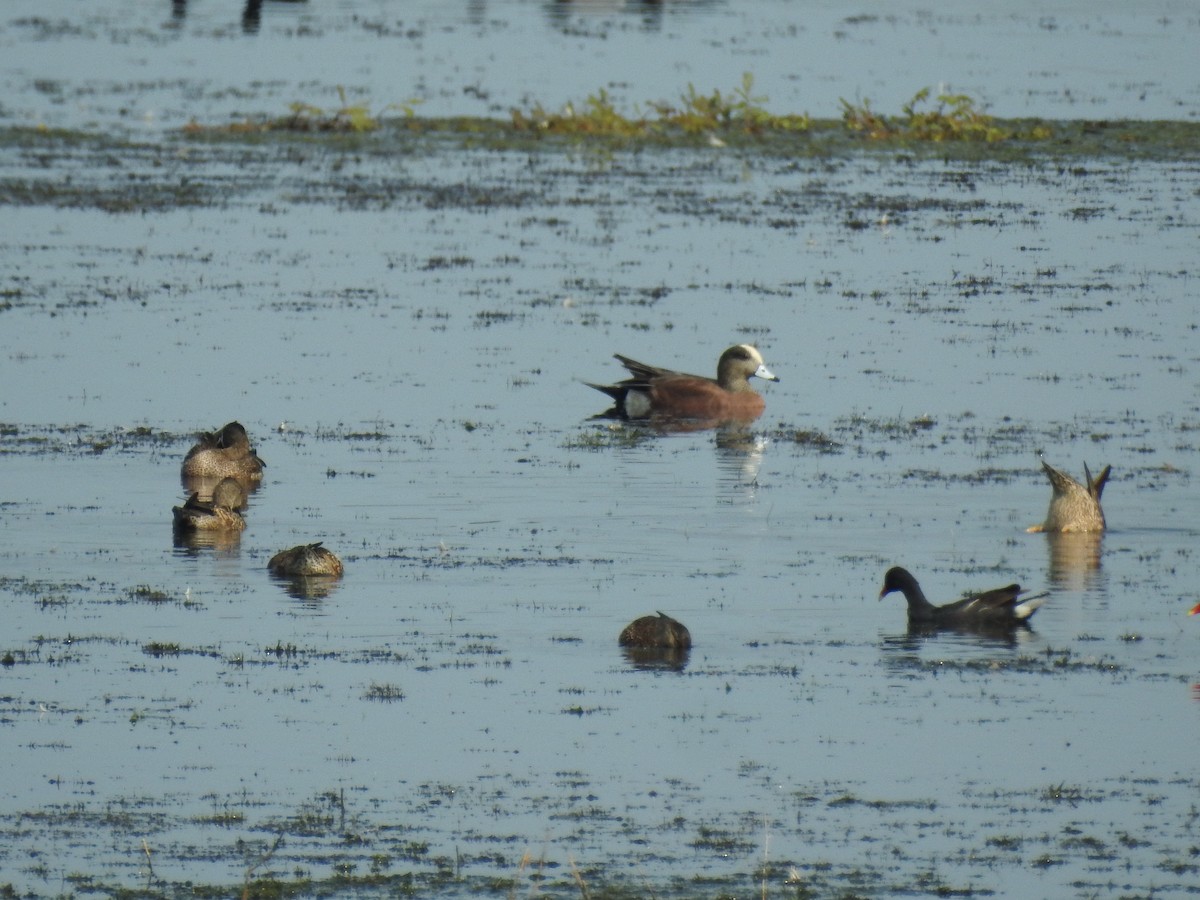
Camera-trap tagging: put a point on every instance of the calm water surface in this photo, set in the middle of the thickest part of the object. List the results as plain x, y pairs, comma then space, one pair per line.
409, 363
157, 64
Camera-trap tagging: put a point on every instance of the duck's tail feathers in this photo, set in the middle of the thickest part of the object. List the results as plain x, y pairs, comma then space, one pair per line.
1095, 485
1027, 607
616, 391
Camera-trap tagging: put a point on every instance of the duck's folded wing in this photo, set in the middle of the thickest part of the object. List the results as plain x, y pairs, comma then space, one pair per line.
642, 372
998, 601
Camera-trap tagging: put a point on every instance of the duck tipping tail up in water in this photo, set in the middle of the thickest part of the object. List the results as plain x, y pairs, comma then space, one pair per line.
1074, 506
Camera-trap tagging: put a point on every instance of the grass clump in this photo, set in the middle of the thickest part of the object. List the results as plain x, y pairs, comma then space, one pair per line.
605, 437
148, 594
347, 118
597, 116
383, 693
739, 111
162, 648
955, 117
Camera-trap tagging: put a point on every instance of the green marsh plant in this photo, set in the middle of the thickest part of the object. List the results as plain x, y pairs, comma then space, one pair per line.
954, 117
740, 111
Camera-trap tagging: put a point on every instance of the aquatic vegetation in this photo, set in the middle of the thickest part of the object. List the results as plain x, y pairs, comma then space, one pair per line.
721, 841
896, 427
740, 111
161, 648
815, 440
597, 116
1070, 794
348, 118
956, 117
384, 693
604, 437
78, 439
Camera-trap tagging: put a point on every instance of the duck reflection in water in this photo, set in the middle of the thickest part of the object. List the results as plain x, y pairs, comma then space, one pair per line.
1002, 634
251, 12
311, 589
194, 543
561, 13
1075, 560
739, 455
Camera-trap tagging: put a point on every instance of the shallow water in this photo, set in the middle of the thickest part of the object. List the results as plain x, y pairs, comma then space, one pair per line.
156, 65
404, 334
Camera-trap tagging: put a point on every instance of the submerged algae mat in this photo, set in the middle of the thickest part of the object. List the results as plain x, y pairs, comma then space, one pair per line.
402, 322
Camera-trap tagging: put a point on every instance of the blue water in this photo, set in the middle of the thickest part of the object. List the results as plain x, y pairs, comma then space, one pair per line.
411, 370
144, 66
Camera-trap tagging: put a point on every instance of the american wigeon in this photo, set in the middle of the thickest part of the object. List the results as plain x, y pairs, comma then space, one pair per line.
1074, 506
658, 632
997, 606
656, 392
219, 515
225, 454
304, 561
